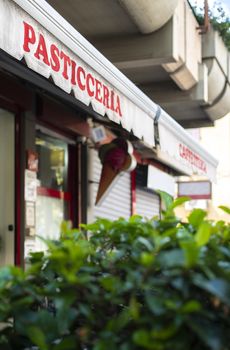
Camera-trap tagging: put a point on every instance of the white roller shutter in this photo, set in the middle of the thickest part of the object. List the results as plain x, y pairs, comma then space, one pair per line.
118, 201
147, 203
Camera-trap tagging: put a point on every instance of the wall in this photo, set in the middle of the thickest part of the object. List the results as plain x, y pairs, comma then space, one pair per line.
217, 140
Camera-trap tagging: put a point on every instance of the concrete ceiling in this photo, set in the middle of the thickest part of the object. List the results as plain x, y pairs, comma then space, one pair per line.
109, 27
96, 19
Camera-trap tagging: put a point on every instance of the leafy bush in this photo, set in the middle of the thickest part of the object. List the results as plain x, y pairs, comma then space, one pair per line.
133, 284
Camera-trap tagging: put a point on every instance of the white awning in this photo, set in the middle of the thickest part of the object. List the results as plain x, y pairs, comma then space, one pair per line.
32, 30
50, 46
180, 151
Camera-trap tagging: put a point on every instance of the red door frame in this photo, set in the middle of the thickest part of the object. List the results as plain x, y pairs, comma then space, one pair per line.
19, 241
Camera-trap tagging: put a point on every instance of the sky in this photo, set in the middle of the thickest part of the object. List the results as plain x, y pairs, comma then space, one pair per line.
225, 4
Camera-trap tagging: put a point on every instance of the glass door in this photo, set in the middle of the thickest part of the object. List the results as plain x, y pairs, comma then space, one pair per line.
7, 188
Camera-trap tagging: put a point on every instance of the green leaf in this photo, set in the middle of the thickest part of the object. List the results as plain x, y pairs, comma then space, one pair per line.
166, 199
37, 337
171, 258
147, 259
218, 287
110, 283
145, 242
170, 204
191, 252
134, 308
36, 257
191, 306
179, 201
209, 332
117, 323
65, 227
68, 343
164, 333
225, 209
155, 303
203, 234
196, 217
142, 338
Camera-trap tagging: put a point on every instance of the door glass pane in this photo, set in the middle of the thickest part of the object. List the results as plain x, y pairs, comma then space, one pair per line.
53, 159
7, 236
52, 203
49, 216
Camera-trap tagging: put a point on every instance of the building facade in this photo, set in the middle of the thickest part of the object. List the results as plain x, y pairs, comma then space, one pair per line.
56, 93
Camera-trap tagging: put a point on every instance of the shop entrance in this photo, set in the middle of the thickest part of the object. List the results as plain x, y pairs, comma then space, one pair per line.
7, 188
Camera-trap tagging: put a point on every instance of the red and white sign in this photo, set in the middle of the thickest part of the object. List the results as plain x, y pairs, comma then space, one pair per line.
192, 158
179, 150
68, 69
22, 37
195, 189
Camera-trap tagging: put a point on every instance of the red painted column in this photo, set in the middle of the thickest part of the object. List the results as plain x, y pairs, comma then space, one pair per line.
18, 242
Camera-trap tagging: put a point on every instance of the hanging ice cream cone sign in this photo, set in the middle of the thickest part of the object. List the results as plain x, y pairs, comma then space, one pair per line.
116, 157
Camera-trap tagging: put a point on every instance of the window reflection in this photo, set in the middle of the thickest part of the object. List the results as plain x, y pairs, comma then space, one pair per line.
52, 154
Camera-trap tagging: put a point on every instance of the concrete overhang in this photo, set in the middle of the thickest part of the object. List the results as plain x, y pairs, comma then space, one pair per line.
171, 51
217, 59
148, 14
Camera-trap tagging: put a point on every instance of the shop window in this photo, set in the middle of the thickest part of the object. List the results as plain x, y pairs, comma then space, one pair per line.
53, 199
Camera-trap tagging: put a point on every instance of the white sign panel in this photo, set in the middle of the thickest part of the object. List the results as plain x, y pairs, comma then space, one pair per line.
159, 180
22, 37
30, 214
30, 186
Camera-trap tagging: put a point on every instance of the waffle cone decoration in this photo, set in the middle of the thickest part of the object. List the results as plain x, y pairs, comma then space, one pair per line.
108, 175
116, 157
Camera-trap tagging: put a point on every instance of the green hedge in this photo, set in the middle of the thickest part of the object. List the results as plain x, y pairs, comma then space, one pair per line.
132, 284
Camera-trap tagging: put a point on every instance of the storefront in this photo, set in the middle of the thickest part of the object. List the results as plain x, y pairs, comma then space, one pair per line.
55, 89
39, 161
